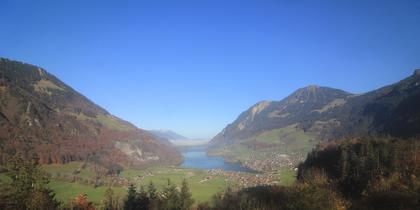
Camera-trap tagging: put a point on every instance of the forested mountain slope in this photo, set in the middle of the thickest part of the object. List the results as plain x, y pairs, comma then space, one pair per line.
41, 115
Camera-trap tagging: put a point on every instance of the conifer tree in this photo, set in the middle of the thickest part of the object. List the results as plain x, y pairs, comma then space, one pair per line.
171, 199
142, 200
28, 188
186, 196
151, 191
130, 201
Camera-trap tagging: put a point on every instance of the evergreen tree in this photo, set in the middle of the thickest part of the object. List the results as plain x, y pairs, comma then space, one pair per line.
27, 189
171, 199
153, 196
142, 200
186, 196
130, 201
151, 191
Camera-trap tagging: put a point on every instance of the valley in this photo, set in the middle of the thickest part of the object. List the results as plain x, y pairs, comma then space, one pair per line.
72, 179
210, 105
86, 153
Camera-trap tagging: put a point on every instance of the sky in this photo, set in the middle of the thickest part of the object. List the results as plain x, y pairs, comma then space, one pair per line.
194, 66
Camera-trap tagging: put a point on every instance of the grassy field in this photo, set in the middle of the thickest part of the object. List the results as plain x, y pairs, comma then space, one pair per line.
4, 178
287, 176
287, 145
201, 190
287, 140
290, 139
66, 191
69, 168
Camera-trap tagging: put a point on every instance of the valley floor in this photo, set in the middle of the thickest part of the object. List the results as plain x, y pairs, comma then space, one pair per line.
72, 179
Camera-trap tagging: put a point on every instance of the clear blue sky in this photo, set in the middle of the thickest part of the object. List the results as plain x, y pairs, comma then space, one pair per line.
193, 66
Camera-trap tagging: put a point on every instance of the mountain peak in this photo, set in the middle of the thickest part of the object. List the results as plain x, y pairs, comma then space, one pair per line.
311, 89
315, 93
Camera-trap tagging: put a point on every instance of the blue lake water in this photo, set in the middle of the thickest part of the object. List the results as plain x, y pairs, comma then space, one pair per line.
196, 157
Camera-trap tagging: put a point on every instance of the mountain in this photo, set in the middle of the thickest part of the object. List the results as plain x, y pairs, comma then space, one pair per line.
266, 115
312, 114
168, 134
42, 115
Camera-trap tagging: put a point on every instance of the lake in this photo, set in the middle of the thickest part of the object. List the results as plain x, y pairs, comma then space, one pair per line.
195, 157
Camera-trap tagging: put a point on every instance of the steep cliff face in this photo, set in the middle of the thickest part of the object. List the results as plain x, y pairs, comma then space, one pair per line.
40, 114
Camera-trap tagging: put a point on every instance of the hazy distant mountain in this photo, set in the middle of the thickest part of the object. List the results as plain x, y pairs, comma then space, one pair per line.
40, 114
168, 134
314, 114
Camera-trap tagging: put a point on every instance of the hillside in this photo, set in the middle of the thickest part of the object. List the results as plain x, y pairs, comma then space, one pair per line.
292, 126
42, 115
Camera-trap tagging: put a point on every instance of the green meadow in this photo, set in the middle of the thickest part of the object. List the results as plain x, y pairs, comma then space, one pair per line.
201, 188
287, 176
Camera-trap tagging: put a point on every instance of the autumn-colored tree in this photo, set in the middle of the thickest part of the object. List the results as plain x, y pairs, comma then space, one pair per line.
81, 202
110, 202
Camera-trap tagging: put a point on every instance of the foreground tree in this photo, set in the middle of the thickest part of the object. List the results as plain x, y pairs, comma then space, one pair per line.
81, 202
110, 202
143, 201
153, 196
171, 198
152, 191
28, 187
186, 196
136, 200
130, 201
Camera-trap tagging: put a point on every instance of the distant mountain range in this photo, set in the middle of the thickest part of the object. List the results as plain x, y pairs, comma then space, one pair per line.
178, 139
42, 115
313, 114
168, 134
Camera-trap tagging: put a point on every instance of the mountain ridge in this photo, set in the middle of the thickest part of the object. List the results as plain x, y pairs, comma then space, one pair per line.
40, 114
313, 114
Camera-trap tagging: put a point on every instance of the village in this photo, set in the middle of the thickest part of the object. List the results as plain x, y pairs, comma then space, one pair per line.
272, 161
243, 180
